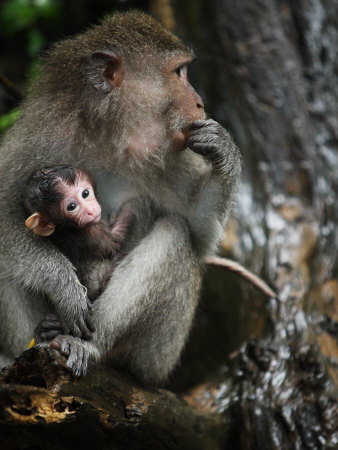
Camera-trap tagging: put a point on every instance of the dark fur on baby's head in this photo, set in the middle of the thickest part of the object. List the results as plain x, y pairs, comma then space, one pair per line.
44, 192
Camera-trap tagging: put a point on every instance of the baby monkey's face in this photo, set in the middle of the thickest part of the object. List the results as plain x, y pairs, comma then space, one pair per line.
79, 203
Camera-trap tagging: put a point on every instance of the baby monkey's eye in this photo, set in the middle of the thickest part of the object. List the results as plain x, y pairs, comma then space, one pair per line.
85, 193
71, 206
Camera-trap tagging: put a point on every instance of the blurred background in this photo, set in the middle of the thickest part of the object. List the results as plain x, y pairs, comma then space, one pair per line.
267, 71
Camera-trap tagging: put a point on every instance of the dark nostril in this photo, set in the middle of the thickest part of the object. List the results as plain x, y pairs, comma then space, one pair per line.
200, 105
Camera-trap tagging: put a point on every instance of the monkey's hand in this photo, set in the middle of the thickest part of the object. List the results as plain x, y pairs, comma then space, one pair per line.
76, 318
77, 353
46, 330
209, 139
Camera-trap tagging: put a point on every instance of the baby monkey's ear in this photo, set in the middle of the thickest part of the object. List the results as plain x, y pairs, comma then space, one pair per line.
40, 225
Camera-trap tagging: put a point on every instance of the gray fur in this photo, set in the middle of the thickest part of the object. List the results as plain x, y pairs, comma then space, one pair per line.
143, 318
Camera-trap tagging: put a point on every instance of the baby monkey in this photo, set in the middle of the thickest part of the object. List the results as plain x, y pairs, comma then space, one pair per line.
62, 204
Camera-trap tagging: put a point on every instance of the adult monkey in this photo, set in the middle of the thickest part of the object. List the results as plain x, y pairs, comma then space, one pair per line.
117, 98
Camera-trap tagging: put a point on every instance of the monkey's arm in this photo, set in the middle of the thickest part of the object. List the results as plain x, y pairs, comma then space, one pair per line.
209, 139
36, 265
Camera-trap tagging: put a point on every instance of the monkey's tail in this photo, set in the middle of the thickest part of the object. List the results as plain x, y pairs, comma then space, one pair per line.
241, 271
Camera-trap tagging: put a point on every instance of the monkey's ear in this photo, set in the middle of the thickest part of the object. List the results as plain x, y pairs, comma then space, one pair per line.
39, 225
106, 70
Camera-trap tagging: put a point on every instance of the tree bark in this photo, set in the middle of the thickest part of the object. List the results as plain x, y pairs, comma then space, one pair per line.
41, 406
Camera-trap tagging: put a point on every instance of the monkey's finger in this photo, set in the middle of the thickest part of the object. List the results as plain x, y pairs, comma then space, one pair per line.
209, 128
85, 332
74, 330
51, 317
80, 361
90, 307
208, 133
50, 325
49, 335
75, 359
90, 324
203, 138
209, 147
64, 345
197, 124
72, 358
85, 361
202, 149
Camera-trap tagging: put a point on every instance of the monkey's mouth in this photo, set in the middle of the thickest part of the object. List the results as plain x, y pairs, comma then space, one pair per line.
95, 220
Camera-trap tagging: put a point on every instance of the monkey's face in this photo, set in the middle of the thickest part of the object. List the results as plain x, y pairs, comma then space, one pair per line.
185, 105
149, 105
158, 107
79, 204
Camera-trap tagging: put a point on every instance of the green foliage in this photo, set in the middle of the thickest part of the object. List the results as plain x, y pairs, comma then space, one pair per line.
6, 120
29, 16
21, 14
32, 21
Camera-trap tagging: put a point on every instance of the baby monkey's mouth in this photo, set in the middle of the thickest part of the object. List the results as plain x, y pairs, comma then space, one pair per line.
96, 219
93, 222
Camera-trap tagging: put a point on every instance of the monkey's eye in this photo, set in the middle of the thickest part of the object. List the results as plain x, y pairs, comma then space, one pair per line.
181, 70
85, 193
71, 206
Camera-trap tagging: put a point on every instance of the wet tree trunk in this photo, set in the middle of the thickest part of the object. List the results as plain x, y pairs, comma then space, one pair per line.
265, 369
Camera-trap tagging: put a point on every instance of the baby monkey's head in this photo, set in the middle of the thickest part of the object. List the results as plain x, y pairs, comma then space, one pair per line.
60, 196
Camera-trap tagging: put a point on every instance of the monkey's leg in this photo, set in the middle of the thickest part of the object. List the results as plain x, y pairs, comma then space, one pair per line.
149, 303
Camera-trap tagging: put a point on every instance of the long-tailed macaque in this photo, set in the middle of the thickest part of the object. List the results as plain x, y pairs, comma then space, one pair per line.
62, 205
116, 99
